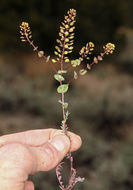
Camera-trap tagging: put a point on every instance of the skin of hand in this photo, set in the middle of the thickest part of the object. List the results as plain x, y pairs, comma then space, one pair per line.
25, 153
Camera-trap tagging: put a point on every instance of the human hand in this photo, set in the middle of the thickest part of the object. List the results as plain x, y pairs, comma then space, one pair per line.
23, 154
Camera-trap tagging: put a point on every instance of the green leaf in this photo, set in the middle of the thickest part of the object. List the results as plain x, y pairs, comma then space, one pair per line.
59, 77
75, 75
88, 67
65, 104
62, 88
95, 60
67, 114
62, 71
47, 58
60, 101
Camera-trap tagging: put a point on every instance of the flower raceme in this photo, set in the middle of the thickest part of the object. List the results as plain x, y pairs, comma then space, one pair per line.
25, 31
66, 37
109, 48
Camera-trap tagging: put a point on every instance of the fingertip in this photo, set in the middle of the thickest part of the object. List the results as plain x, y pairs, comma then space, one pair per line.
29, 185
76, 141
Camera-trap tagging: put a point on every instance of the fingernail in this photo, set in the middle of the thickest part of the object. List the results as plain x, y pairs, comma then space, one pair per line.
61, 143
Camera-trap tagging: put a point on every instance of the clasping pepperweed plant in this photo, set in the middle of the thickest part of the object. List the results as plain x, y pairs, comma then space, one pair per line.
63, 48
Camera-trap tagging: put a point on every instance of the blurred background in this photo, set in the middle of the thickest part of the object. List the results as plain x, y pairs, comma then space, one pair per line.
100, 103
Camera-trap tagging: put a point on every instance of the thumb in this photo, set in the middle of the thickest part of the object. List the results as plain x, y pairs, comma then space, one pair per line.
51, 153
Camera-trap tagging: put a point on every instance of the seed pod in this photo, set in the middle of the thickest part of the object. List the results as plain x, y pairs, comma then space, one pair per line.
82, 72
40, 54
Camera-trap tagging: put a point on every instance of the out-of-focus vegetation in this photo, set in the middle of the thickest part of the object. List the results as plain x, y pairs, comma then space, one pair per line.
101, 103
101, 112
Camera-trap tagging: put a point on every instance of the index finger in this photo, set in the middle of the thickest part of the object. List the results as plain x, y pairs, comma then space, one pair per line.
38, 137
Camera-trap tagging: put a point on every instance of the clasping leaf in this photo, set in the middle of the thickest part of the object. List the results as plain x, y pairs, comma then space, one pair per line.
62, 72
59, 77
62, 88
